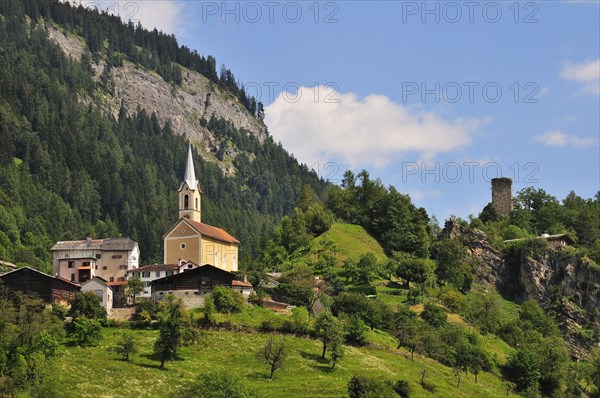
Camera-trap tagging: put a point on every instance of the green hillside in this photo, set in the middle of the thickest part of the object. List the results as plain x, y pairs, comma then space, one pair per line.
351, 241
98, 371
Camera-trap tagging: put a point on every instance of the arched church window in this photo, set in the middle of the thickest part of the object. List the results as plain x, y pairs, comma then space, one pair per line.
197, 208
186, 202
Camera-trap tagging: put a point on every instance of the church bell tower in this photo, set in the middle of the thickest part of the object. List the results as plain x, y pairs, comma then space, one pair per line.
189, 192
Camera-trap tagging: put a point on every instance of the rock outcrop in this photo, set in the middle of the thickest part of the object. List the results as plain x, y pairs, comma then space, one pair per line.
558, 278
489, 266
182, 106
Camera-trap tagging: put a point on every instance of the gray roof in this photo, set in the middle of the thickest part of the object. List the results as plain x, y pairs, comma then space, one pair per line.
96, 244
7, 264
543, 236
155, 267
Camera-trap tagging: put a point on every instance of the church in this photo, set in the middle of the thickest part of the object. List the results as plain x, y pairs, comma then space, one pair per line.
190, 239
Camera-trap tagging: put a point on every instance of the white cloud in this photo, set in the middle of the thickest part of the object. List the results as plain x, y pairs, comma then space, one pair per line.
587, 74
418, 194
557, 138
165, 15
371, 131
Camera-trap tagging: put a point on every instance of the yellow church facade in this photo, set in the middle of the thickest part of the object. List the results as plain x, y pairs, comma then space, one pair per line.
190, 239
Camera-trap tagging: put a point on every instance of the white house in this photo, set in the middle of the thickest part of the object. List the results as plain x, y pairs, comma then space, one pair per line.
102, 290
149, 273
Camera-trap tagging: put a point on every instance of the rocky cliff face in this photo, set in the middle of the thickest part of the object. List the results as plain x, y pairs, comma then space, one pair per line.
557, 278
183, 106
489, 266
568, 285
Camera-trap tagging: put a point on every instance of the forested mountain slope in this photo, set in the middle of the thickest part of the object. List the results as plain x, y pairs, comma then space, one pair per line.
77, 157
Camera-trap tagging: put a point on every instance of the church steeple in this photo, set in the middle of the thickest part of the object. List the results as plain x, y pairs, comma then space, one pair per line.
189, 192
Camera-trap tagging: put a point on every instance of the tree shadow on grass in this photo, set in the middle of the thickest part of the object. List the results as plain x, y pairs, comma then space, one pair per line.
258, 375
323, 368
149, 365
313, 357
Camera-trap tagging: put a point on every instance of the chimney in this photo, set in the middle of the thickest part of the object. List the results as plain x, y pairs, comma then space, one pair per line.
245, 278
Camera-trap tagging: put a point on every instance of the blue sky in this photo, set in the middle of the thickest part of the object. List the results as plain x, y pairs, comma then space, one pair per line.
434, 98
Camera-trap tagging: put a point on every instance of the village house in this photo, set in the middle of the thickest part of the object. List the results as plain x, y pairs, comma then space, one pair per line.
191, 240
82, 260
151, 272
100, 287
192, 285
553, 240
51, 289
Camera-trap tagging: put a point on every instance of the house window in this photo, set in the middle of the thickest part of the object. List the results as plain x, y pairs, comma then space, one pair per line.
72, 277
104, 267
169, 273
66, 255
146, 284
117, 257
98, 256
121, 279
86, 263
146, 274
190, 266
112, 279
123, 266
136, 274
71, 264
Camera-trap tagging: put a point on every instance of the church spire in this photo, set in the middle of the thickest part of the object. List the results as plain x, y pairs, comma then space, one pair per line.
189, 192
190, 174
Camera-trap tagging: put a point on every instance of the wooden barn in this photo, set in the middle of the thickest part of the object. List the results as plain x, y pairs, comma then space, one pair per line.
192, 284
46, 287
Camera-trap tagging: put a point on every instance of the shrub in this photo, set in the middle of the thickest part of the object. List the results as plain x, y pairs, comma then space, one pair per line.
370, 387
215, 385
60, 311
356, 331
402, 388
257, 298
299, 320
366, 290
227, 300
88, 305
292, 294
434, 315
87, 331
413, 295
126, 346
452, 299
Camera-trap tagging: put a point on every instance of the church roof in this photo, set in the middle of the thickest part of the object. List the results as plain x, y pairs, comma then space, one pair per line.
189, 177
213, 232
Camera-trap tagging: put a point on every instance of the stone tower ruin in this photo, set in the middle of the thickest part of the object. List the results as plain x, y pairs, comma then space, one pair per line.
502, 195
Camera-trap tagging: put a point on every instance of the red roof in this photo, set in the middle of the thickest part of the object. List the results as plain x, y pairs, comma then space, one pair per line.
240, 283
118, 283
213, 232
66, 280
